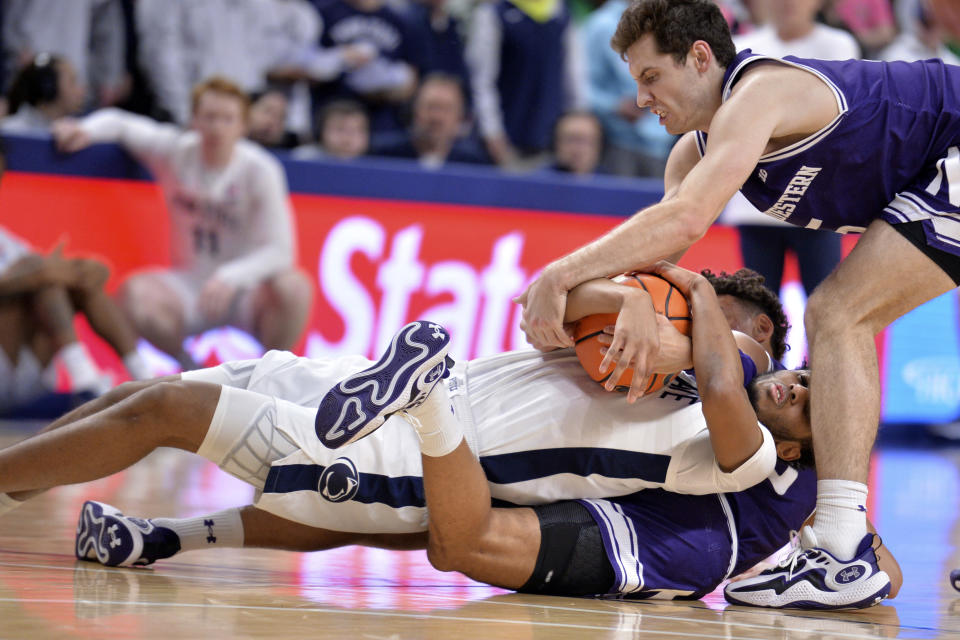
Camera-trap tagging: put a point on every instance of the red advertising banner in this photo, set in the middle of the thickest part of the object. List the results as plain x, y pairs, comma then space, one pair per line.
376, 263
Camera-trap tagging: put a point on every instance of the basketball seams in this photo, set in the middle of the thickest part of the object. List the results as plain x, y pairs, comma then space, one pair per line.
587, 337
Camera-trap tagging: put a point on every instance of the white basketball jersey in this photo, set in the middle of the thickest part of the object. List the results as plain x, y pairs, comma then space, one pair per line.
542, 430
234, 222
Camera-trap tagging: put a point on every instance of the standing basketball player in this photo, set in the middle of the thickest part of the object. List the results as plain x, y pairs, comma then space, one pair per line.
852, 146
232, 237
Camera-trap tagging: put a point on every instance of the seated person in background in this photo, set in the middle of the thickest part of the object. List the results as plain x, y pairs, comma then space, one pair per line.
39, 295
924, 37
46, 89
436, 135
577, 143
435, 39
267, 123
385, 81
344, 132
232, 239
948, 15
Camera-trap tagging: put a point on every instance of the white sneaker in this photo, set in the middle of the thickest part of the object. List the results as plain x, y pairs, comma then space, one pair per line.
402, 379
812, 578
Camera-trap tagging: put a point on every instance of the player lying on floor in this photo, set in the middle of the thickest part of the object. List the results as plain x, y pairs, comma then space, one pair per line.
250, 435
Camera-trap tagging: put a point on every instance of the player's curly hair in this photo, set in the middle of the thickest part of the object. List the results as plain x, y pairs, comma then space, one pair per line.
675, 25
747, 285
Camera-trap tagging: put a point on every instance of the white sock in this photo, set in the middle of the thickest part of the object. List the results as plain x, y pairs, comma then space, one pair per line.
841, 520
435, 423
221, 529
8, 504
136, 366
84, 373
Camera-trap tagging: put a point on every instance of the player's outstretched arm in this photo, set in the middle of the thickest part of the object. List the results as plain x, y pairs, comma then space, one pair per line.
734, 432
543, 301
739, 134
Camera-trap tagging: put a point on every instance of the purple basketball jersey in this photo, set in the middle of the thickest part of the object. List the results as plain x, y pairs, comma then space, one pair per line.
675, 546
891, 153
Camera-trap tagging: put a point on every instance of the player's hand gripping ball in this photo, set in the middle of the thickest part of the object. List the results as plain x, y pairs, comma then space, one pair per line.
667, 301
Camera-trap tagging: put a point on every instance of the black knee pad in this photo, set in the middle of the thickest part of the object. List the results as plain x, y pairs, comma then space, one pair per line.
571, 560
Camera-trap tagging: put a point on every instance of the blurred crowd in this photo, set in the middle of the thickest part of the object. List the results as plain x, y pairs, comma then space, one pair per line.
522, 84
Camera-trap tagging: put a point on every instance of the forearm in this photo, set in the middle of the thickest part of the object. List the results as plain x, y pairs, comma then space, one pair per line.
607, 296
600, 295
716, 357
734, 431
658, 232
26, 275
136, 133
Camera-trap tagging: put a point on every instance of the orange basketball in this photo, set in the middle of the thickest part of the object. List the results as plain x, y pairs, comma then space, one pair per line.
667, 301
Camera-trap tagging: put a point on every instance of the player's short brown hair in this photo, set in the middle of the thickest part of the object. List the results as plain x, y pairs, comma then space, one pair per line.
219, 84
675, 25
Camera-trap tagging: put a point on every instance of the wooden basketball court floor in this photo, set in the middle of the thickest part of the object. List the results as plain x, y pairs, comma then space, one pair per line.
382, 595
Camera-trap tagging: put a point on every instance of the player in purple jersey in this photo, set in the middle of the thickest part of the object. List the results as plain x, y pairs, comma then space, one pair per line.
853, 146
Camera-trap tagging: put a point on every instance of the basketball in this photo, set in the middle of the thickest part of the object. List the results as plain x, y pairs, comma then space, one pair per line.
667, 301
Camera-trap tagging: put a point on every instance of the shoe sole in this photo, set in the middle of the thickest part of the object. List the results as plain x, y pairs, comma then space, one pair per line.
873, 598
413, 363
97, 539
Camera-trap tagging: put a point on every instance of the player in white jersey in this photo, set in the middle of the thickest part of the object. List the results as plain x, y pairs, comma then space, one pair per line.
232, 238
371, 486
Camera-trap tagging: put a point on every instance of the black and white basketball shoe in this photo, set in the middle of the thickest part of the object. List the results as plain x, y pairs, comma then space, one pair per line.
812, 578
401, 380
107, 536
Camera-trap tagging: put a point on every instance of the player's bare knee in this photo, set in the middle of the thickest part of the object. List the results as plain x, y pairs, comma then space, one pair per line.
827, 314
292, 288
166, 411
126, 389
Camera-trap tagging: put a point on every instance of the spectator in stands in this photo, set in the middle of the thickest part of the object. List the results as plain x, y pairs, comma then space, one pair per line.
44, 90
4, 106
184, 41
636, 143
39, 295
577, 143
922, 39
525, 70
436, 41
344, 132
948, 15
268, 121
88, 34
232, 239
385, 83
870, 21
438, 132
764, 241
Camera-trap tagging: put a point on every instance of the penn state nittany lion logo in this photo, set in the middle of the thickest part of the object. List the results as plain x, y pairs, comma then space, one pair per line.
339, 481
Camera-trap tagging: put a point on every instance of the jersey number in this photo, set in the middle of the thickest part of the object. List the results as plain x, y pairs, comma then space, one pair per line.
206, 241
781, 481
951, 167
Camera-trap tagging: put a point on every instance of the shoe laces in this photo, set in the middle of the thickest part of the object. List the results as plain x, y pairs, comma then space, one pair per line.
792, 558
